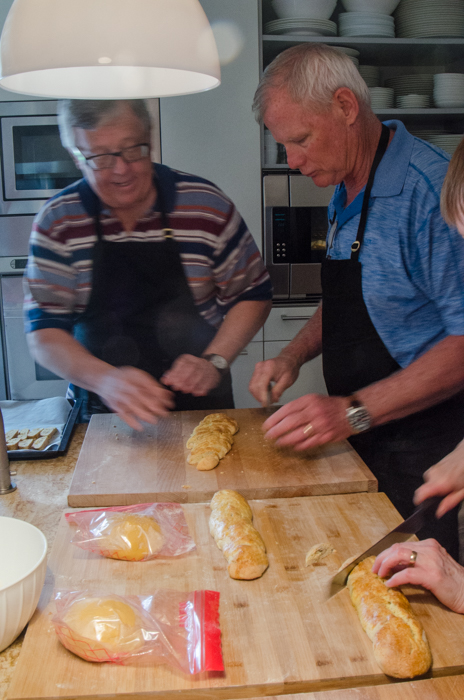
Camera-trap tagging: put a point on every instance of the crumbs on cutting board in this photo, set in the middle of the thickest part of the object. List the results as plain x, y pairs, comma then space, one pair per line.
186, 486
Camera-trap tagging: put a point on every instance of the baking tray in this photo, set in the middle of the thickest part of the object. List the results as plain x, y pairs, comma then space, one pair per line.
54, 450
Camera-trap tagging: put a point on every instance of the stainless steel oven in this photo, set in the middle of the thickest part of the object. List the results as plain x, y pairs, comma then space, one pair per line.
295, 229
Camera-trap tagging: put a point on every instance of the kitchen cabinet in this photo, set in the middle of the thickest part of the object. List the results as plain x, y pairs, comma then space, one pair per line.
282, 325
242, 371
214, 133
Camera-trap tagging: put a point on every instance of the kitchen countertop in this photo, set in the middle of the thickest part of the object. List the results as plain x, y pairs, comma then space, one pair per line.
40, 498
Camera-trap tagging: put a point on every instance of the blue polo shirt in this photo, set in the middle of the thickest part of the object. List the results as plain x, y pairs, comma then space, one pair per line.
412, 262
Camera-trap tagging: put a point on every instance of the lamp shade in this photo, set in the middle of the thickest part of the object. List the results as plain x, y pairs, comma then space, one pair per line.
108, 49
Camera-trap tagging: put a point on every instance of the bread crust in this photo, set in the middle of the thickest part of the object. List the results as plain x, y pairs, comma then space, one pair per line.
400, 645
231, 526
211, 440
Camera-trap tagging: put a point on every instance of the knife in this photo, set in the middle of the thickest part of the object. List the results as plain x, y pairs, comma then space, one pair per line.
401, 533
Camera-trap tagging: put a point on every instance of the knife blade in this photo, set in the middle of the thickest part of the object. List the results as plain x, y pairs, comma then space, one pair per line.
401, 533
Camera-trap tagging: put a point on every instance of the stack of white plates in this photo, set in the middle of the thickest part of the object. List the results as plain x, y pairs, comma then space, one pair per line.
365, 24
352, 53
371, 75
426, 134
448, 90
417, 84
448, 142
310, 27
381, 97
430, 18
413, 101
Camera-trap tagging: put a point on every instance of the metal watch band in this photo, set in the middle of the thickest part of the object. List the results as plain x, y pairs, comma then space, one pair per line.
358, 416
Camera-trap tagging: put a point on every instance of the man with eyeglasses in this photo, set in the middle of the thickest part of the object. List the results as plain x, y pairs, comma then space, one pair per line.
143, 283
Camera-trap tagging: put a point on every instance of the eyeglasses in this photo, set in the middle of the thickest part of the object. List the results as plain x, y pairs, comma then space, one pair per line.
108, 160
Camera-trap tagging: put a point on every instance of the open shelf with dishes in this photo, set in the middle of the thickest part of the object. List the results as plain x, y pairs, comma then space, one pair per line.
402, 62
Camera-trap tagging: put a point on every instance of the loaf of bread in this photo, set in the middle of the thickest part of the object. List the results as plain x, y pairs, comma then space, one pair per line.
231, 526
130, 536
211, 440
400, 646
101, 628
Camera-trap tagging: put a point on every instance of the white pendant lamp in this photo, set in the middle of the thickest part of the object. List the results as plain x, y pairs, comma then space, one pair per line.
108, 49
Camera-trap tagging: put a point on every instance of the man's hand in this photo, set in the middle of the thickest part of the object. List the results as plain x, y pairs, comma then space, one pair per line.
309, 421
433, 569
192, 375
446, 478
135, 396
281, 370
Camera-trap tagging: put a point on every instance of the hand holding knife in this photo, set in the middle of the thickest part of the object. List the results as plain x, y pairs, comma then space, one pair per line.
401, 533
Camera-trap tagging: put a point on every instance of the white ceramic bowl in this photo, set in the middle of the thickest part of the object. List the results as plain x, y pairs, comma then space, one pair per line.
23, 550
383, 7
304, 9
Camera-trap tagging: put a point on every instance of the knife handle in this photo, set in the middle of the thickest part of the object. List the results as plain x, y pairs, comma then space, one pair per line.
419, 515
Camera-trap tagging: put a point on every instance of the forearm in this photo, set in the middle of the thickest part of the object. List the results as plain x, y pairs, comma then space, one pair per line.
58, 351
240, 325
432, 378
307, 344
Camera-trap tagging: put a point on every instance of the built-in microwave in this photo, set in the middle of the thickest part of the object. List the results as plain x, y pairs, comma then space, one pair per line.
295, 229
34, 164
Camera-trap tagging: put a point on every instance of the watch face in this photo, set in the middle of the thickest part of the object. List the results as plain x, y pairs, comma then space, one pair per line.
219, 362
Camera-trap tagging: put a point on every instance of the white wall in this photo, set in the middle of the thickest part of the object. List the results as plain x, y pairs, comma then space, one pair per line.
213, 134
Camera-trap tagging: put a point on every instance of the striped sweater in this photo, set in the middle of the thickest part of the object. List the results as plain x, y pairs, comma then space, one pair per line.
221, 261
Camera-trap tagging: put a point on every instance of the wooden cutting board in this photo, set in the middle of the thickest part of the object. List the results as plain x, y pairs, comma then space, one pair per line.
279, 633
120, 466
449, 688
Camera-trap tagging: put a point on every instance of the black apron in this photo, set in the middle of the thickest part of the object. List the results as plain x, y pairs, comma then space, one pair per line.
141, 312
355, 356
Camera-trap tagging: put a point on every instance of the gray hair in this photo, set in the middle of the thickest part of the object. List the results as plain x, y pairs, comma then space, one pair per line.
88, 114
311, 74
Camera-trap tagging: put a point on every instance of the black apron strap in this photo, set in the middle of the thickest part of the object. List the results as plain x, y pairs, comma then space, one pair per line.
381, 148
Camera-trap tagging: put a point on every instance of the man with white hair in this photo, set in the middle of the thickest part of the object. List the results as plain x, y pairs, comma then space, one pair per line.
391, 322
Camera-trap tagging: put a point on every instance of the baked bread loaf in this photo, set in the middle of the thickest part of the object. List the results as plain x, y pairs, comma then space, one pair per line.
230, 524
400, 646
211, 440
130, 536
102, 628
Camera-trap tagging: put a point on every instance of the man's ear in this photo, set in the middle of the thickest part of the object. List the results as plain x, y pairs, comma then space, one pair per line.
346, 102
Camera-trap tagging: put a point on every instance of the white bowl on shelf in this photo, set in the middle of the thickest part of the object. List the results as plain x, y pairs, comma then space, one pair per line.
23, 550
304, 9
383, 7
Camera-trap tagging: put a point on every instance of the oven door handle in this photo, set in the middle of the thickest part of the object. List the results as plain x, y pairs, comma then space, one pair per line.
284, 317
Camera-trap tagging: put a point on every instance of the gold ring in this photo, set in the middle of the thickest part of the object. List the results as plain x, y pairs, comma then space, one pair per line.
308, 428
412, 558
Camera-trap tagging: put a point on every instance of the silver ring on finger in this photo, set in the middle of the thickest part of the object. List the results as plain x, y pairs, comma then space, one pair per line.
412, 558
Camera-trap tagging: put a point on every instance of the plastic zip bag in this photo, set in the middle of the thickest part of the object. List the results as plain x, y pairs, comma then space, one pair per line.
133, 533
166, 627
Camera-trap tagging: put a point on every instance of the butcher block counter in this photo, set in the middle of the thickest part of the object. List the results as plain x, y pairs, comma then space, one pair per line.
120, 466
279, 632
40, 497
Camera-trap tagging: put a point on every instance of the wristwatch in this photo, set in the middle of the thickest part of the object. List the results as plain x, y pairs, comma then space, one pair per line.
217, 361
358, 416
